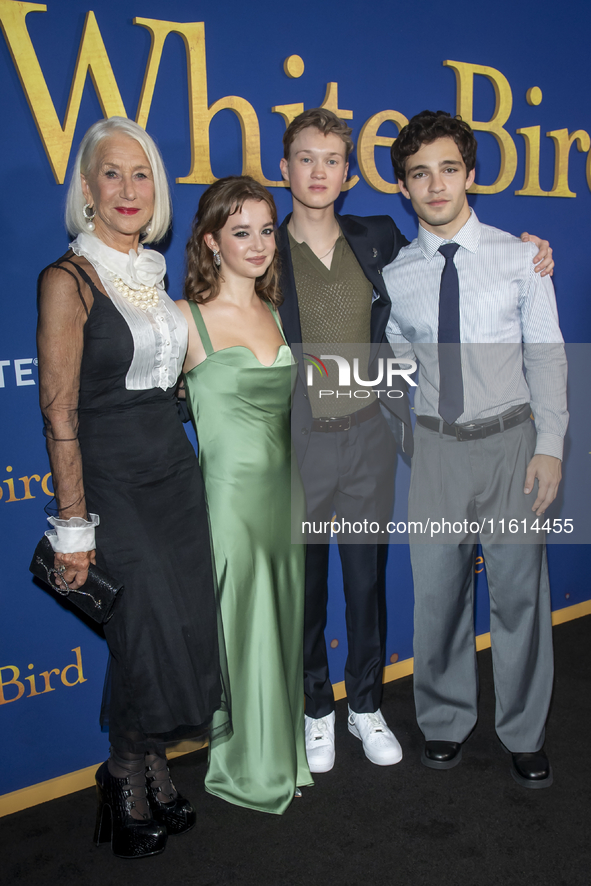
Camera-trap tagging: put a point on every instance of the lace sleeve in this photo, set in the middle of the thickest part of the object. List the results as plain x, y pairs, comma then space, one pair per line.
63, 311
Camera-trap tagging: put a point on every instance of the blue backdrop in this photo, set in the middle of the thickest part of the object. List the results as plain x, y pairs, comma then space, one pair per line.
386, 56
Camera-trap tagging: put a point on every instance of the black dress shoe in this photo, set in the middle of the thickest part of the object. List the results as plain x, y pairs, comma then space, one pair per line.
178, 815
532, 770
129, 837
441, 754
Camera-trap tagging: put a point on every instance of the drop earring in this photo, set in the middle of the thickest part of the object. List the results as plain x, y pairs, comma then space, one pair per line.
89, 213
216, 258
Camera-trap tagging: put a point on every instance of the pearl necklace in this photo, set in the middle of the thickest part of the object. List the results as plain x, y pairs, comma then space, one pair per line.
145, 297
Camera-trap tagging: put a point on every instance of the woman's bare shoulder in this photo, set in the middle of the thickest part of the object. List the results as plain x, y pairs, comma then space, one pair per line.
183, 306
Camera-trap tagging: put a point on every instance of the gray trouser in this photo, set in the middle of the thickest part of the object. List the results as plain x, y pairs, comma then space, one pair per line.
350, 473
479, 480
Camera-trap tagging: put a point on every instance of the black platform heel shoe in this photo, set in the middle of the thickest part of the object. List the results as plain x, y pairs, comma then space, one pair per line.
177, 815
130, 837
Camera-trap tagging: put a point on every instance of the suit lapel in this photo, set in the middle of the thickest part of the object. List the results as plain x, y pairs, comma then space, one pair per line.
289, 310
369, 256
367, 253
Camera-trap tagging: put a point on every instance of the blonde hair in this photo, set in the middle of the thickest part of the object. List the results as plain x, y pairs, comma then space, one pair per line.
162, 215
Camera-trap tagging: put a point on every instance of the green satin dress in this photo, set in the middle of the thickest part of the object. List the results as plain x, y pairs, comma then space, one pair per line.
240, 409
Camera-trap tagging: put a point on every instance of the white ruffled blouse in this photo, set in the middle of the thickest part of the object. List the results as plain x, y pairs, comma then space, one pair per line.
160, 332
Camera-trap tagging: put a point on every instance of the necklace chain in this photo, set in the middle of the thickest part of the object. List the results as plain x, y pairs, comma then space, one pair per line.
320, 257
145, 297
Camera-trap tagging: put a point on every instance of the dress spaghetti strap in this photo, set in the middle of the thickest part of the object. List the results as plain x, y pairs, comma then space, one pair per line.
87, 279
201, 328
275, 314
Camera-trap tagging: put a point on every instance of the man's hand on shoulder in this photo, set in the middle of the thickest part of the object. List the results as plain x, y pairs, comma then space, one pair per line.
543, 259
548, 471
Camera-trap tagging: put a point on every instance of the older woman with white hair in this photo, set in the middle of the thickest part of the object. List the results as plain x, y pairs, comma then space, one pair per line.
128, 489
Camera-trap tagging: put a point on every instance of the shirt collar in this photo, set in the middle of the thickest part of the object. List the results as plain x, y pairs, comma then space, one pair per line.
468, 236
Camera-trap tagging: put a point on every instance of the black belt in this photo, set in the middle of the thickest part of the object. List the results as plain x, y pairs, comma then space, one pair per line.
346, 422
478, 430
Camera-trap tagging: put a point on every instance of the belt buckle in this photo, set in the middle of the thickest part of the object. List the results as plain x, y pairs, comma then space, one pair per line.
348, 428
468, 428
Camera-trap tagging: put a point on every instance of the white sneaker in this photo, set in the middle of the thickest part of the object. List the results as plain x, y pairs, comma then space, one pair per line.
379, 743
320, 742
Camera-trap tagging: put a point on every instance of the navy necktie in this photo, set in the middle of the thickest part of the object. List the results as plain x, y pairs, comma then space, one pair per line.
451, 388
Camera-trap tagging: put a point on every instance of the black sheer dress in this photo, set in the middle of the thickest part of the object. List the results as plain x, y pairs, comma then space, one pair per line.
123, 454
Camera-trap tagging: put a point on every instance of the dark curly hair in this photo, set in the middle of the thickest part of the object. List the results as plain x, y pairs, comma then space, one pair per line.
221, 200
425, 128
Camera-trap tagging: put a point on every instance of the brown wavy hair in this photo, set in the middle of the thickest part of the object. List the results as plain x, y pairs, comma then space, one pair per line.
322, 119
221, 200
424, 129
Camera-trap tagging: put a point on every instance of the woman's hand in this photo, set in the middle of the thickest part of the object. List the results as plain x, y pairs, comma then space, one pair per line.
76, 571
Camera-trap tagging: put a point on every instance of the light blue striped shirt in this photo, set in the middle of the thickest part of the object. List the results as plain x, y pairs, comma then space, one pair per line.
508, 322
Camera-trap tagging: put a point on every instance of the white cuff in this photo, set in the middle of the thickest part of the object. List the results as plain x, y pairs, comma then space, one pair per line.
73, 535
549, 444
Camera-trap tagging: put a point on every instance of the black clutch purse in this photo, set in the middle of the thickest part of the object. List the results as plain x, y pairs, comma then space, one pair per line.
97, 596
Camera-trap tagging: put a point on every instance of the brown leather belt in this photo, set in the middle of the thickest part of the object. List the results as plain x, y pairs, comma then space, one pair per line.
481, 429
346, 422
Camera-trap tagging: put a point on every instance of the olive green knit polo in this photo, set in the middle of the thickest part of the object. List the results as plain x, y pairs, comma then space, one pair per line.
335, 309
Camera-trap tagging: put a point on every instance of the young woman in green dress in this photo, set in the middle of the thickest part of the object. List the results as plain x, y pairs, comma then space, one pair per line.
238, 378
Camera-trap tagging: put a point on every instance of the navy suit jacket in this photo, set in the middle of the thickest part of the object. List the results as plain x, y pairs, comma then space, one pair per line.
375, 241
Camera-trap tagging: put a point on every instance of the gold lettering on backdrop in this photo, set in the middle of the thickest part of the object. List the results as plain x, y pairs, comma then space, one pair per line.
465, 74
533, 96
200, 112
80, 678
26, 481
288, 112
47, 677
13, 682
10, 484
294, 66
331, 102
367, 143
92, 58
44, 485
31, 681
11, 493
531, 183
562, 145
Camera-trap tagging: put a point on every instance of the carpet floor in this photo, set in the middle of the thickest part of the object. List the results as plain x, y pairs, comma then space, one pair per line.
360, 824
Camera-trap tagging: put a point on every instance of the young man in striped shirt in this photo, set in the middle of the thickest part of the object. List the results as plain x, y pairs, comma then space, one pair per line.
468, 306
